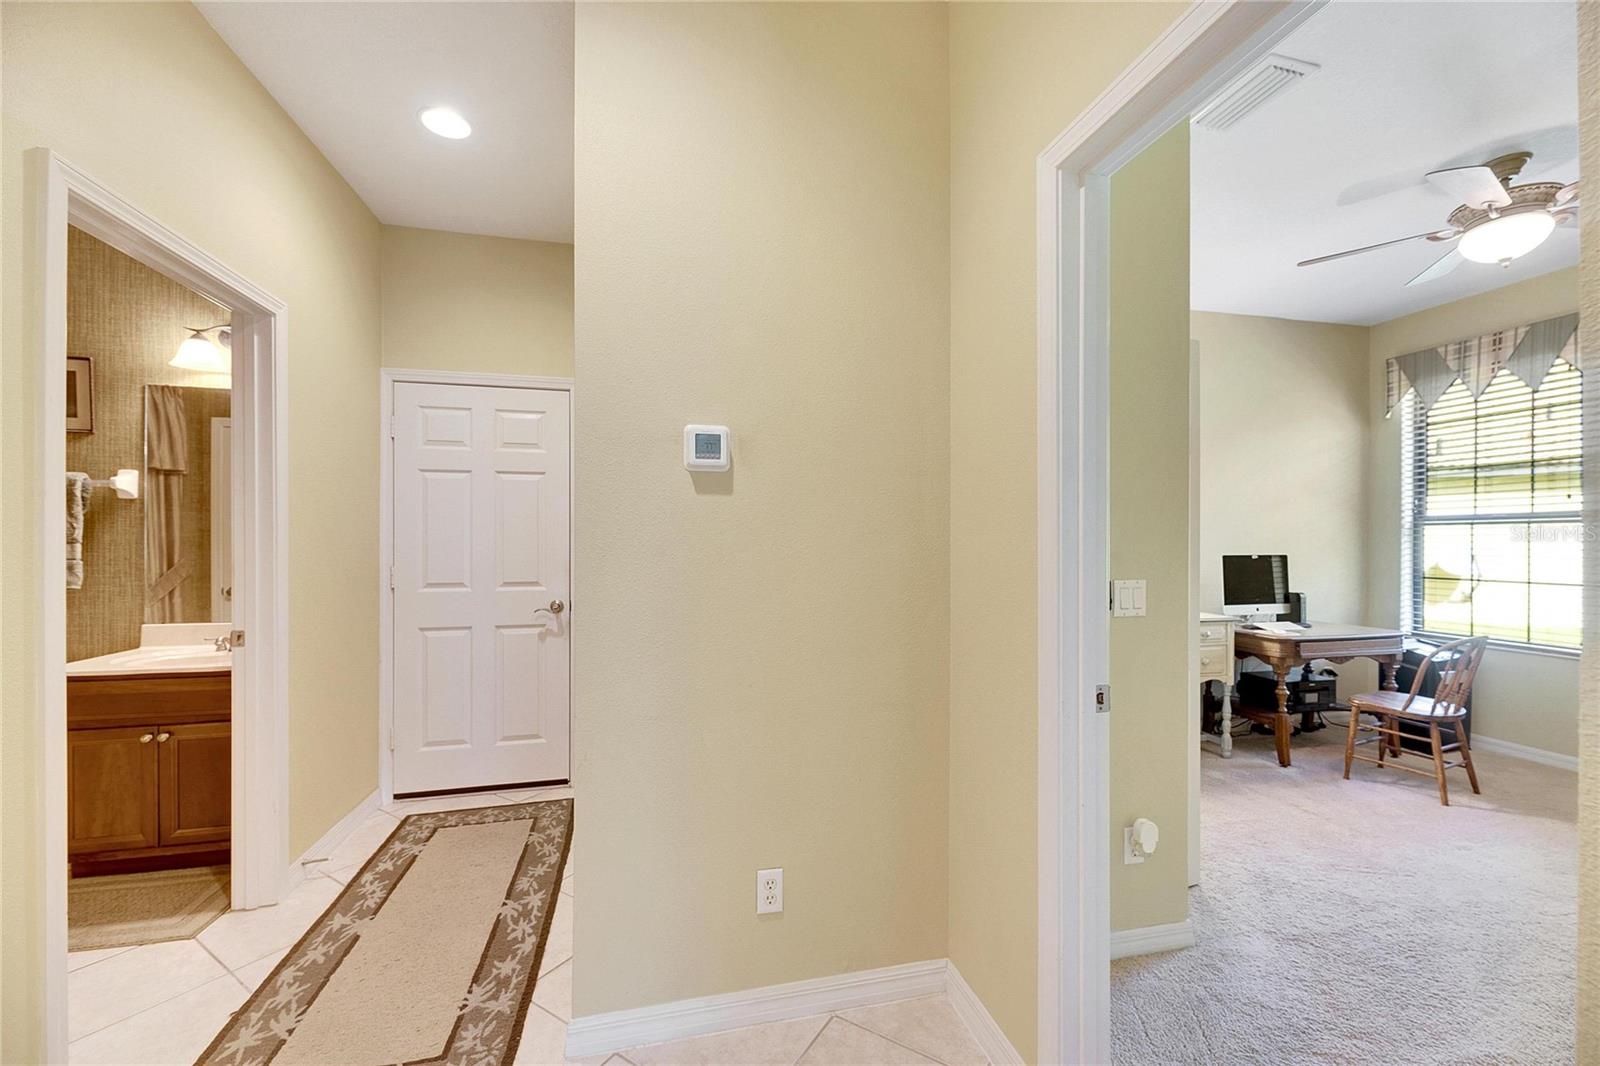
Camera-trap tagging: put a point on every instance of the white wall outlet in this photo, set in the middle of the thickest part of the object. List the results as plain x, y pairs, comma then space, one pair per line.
769, 891
1131, 856
1127, 599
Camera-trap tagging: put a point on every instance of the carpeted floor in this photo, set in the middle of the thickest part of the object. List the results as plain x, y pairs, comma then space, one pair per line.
1361, 922
120, 910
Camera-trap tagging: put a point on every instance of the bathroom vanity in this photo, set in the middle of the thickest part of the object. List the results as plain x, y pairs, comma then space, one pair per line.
149, 760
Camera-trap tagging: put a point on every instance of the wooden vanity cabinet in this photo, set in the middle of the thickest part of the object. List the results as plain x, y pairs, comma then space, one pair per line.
149, 759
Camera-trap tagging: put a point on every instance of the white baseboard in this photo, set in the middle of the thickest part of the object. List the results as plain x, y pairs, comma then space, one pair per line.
330, 840
1522, 751
980, 1023
598, 1034
1152, 938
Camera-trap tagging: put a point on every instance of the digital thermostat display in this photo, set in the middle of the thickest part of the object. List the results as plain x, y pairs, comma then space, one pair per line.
705, 447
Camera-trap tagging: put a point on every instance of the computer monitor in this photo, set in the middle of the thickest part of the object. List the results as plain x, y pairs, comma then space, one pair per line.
1255, 586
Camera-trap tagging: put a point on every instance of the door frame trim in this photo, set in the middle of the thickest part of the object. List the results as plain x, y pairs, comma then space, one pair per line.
388, 378
1207, 46
62, 195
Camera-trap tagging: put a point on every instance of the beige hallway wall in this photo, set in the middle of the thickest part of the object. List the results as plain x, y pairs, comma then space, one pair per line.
1019, 73
148, 99
458, 301
1526, 698
760, 657
1150, 526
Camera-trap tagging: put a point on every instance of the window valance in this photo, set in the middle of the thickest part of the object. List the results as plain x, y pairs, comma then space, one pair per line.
1525, 351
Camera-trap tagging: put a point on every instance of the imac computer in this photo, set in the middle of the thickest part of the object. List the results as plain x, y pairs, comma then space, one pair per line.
1255, 587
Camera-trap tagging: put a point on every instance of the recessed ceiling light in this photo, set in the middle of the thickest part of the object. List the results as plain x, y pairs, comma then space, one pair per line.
446, 122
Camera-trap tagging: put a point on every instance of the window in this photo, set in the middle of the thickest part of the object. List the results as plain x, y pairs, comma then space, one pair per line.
1492, 538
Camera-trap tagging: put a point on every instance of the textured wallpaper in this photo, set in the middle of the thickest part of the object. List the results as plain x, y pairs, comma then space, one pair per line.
1589, 667
129, 319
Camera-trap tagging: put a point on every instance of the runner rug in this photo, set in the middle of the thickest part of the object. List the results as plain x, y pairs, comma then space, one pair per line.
429, 955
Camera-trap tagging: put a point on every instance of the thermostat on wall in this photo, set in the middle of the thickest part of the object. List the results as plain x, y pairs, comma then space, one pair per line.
705, 447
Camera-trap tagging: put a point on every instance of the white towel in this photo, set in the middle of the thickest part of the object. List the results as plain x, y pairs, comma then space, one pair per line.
77, 507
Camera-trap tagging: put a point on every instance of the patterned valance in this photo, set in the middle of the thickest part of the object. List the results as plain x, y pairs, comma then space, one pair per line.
1526, 351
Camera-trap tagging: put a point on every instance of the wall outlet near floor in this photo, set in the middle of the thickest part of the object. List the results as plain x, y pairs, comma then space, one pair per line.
769, 891
1131, 856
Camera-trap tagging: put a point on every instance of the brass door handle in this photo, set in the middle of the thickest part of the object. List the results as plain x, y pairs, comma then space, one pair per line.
147, 738
162, 738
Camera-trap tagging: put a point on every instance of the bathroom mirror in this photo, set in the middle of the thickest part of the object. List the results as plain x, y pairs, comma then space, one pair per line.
188, 545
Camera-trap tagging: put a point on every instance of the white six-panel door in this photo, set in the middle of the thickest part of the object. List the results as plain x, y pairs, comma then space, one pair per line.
481, 530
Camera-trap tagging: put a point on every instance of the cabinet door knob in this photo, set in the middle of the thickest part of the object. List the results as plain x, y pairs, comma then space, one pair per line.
162, 738
147, 738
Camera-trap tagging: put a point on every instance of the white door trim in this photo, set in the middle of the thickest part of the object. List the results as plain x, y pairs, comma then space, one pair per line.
1206, 47
62, 195
388, 378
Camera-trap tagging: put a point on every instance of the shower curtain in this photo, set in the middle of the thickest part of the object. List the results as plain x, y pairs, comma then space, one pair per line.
166, 461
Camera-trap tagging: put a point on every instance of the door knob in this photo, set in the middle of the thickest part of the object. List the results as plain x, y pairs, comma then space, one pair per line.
556, 607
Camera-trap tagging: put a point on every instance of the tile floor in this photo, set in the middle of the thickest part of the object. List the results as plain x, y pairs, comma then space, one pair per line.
162, 1003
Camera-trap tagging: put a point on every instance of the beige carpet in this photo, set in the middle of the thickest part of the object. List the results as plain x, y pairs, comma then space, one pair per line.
1361, 922
121, 910
429, 955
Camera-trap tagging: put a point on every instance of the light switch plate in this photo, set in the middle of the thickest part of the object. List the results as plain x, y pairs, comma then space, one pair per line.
1127, 599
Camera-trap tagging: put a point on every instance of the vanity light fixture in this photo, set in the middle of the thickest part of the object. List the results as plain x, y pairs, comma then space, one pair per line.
201, 353
446, 122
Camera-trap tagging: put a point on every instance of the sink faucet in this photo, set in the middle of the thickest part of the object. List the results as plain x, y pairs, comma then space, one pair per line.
223, 644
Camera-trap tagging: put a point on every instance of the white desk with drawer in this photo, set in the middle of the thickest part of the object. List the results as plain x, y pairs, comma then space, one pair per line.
1216, 664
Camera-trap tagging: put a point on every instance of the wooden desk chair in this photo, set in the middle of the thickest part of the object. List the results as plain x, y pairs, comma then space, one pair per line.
1457, 663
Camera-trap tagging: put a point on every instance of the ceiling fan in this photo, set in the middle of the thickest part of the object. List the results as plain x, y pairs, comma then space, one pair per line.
1496, 222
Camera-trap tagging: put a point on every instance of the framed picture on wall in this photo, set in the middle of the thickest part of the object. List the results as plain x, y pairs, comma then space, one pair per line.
80, 394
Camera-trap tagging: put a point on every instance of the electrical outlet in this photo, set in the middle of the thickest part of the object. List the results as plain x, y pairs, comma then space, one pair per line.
1130, 855
769, 891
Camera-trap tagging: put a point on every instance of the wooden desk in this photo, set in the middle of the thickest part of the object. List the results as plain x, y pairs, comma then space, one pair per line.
1321, 640
1216, 662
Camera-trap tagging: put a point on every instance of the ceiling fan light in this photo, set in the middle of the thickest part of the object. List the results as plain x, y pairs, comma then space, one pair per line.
1506, 237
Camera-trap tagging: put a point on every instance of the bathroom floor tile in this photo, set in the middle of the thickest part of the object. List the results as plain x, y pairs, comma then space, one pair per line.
358, 847
176, 1031
240, 937
77, 960
252, 974
558, 947
124, 985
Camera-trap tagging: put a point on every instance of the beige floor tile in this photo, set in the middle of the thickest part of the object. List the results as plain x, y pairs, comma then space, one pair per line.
77, 960
558, 947
553, 991
252, 974
176, 1031
544, 1039
238, 938
141, 977
755, 1045
356, 848
843, 1043
927, 1024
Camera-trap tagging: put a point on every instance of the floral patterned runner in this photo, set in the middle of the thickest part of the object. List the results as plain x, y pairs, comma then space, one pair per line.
487, 1013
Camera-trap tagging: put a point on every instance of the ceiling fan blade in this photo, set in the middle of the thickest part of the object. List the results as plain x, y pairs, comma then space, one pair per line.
1473, 186
1566, 195
1432, 235
1441, 266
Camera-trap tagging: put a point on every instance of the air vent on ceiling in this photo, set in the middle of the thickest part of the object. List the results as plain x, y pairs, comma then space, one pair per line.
1271, 77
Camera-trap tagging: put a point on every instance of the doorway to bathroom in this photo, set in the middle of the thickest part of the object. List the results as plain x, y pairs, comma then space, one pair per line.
175, 436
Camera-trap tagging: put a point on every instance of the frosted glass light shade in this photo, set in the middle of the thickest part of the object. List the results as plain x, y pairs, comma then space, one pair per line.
1508, 237
198, 353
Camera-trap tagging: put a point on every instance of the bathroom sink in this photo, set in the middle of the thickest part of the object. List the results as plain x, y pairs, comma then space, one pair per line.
159, 659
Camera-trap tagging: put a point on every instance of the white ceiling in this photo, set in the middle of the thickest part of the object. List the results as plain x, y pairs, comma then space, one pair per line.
1337, 161
354, 76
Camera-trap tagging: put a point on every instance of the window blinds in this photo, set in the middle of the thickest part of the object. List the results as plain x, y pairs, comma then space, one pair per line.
1493, 491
